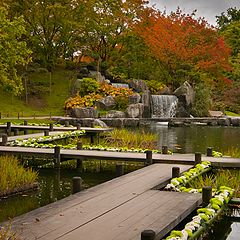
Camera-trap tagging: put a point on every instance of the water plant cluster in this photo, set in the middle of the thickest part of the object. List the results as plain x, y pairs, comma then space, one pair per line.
205, 216
179, 184
14, 176
40, 141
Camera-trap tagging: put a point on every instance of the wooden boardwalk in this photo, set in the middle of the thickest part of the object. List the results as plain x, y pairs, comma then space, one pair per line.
42, 128
118, 209
67, 154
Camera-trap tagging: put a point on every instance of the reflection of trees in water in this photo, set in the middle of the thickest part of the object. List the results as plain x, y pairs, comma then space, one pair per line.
197, 138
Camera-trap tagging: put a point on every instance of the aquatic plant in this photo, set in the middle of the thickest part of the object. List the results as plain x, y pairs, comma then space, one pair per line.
130, 139
6, 233
14, 176
233, 152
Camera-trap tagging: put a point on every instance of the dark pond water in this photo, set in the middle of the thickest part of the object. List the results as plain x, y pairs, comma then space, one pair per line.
54, 185
197, 138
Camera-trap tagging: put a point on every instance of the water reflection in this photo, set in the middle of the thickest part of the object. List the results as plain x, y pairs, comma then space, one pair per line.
197, 138
54, 185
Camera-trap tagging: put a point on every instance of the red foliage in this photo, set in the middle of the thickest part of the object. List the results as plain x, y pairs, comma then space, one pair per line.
181, 39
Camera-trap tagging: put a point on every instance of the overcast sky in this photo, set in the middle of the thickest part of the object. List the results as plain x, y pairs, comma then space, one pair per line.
205, 8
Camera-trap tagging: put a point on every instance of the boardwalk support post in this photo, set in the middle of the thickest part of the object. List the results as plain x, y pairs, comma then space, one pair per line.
16, 132
76, 184
149, 160
78, 126
4, 139
46, 132
148, 235
79, 161
66, 124
119, 169
25, 123
164, 149
57, 157
50, 127
175, 172
198, 158
8, 130
206, 195
209, 152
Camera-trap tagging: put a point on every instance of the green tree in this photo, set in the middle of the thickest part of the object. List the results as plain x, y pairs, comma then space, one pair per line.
13, 51
53, 27
232, 15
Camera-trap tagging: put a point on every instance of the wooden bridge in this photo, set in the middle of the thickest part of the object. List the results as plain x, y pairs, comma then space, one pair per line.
66, 154
118, 209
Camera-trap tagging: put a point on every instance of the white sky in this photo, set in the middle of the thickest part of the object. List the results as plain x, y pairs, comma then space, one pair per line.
205, 8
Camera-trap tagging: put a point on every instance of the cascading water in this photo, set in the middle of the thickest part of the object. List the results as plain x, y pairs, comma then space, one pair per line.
120, 85
164, 106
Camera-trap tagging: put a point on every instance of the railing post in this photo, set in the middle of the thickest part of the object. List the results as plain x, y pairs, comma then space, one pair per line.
149, 160
206, 195
209, 152
50, 127
78, 126
57, 157
77, 184
164, 149
66, 123
148, 235
4, 139
46, 132
175, 172
79, 145
198, 158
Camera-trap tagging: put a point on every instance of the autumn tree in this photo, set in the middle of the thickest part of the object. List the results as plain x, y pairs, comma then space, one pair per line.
13, 51
189, 48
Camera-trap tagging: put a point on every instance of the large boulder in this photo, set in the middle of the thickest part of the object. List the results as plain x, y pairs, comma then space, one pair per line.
84, 112
146, 101
115, 114
138, 85
186, 96
135, 110
134, 99
106, 103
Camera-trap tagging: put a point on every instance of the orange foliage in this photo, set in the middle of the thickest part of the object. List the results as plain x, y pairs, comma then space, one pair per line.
181, 39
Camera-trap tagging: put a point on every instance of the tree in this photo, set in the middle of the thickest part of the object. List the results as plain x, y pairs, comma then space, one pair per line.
13, 51
107, 24
232, 15
53, 27
189, 48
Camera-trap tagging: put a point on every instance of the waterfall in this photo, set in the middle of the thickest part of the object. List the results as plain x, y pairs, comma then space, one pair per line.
164, 106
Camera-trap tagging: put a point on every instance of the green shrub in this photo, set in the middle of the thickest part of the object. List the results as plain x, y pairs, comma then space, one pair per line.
155, 87
202, 100
121, 102
87, 86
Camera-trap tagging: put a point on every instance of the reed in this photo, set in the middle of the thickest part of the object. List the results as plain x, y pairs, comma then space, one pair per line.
131, 139
7, 234
14, 176
229, 178
233, 152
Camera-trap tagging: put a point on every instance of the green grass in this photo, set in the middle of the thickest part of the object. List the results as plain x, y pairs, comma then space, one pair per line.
48, 102
233, 152
13, 175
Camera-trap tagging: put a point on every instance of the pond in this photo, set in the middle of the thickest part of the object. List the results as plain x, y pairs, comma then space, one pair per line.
197, 138
54, 185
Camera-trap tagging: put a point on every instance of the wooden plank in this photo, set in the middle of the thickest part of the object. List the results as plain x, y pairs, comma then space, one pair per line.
58, 218
159, 211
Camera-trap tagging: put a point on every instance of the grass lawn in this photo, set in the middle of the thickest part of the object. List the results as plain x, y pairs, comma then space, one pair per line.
52, 101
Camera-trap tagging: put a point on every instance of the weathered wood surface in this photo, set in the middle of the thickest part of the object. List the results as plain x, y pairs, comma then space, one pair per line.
33, 135
122, 156
42, 128
120, 208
